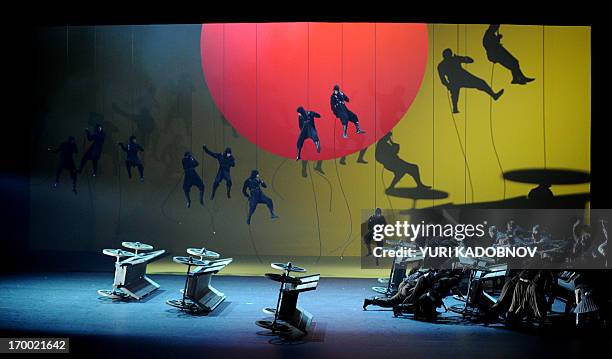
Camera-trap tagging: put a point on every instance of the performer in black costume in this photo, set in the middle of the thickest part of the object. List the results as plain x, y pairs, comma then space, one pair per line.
256, 195
95, 150
338, 106
132, 159
368, 238
497, 53
307, 130
226, 162
455, 77
67, 150
191, 178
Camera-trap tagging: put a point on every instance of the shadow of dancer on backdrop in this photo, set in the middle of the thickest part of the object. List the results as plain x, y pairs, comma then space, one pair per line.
317, 167
145, 124
319, 164
497, 54
184, 96
360, 158
455, 77
66, 150
170, 152
386, 154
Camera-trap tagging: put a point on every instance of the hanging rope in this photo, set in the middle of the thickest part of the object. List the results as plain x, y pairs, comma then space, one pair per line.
465, 131
463, 151
132, 77
314, 196
348, 208
329, 185
467, 167
256, 99
543, 93
433, 110
256, 130
375, 194
501, 169
274, 178
314, 191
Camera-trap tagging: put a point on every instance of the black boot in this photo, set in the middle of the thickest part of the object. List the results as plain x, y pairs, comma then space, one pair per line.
318, 144
359, 130
367, 302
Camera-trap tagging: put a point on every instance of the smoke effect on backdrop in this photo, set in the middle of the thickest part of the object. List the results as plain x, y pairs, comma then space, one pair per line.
452, 115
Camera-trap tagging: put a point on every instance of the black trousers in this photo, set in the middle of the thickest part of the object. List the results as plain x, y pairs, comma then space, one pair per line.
129, 164
347, 116
94, 156
222, 175
193, 180
258, 198
306, 133
71, 168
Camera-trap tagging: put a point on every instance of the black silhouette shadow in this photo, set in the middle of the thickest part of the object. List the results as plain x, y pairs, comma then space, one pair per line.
143, 119
360, 158
455, 77
416, 193
498, 54
184, 91
386, 153
170, 153
541, 195
556, 176
318, 167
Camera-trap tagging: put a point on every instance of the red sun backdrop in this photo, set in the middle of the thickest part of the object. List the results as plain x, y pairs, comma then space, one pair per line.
258, 74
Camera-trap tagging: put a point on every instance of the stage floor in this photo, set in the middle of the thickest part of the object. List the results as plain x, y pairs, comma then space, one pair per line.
67, 305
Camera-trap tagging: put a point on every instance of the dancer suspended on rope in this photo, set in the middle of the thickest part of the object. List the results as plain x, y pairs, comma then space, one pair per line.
95, 150
338, 106
497, 54
191, 178
66, 150
455, 77
307, 130
132, 160
256, 196
226, 162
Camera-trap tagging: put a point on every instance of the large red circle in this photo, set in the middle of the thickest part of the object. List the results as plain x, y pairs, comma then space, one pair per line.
258, 74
